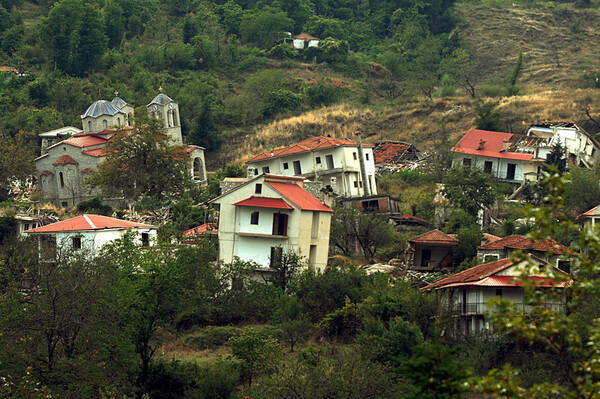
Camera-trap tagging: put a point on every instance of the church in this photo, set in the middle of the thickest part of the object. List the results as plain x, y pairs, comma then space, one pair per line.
63, 165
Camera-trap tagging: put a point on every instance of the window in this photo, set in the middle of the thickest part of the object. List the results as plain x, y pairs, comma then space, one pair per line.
329, 159
145, 239
119, 121
370, 206
62, 179
76, 242
266, 170
490, 258
26, 227
254, 218
510, 171
467, 161
285, 165
487, 167
280, 222
356, 184
297, 168
258, 189
90, 126
276, 255
499, 292
104, 124
564, 265
426, 258
315, 225
318, 159
354, 156
367, 156
64, 204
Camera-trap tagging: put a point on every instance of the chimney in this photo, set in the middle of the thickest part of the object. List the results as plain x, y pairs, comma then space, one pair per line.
363, 171
250, 173
481, 144
505, 145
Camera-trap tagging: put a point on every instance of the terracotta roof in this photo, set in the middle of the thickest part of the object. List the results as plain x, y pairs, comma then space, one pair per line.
408, 216
488, 238
190, 148
484, 275
492, 144
46, 173
472, 274
203, 229
522, 242
8, 69
435, 237
96, 152
591, 212
264, 202
299, 196
87, 170
66, 159
389, 152
87, 222
306, 36
83, 141
311, 144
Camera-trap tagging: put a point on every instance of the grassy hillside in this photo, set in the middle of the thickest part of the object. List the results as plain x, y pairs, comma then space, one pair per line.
558, 43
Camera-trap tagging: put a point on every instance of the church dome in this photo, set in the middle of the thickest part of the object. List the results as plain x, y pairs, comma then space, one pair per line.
101, 107
161, 99
119, 102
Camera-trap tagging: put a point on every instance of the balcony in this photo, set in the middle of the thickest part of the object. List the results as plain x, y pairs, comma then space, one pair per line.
480, 308
262, 235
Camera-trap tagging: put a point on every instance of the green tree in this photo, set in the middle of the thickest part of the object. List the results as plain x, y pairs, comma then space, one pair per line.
264, 27
558, 157
257, 354
469, 189
16, 161
74, 34
488, 117
583, 191
142, 162
114, 23
511, 83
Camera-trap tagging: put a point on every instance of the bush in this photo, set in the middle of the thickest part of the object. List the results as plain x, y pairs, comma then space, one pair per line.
320, 94
215, 336
95, 205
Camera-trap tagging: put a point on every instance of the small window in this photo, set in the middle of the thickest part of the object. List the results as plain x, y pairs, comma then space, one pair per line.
26, 226
64, 204
356, 184
367, 156
76, 242
499, 292
90, 126
266, 170
487, 167
329, 159
254, 218
467, 161
276, 257
145, 239
104, 124
258, 189
318, 159
64, 148
297, 168
354, 156
285, 165
62, 179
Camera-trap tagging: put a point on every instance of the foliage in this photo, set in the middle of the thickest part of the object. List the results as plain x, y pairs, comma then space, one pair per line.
16, 158
142, 162
511, 83
292, 319
257, 354
95, 205
469, 189
583, 191
263, 27
469, 239
557, 157
488, 117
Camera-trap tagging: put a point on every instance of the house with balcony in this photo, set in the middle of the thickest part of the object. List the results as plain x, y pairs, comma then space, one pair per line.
86, 235
466, 294
334, 162
494, 153
268, 215
589, 219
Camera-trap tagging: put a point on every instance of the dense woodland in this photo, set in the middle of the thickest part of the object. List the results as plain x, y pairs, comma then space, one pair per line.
166, 322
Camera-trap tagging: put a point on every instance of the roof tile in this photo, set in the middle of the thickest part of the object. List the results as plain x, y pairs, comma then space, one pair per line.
66, 159
87, 222
435, 237
264, 202
299, 196
492, 142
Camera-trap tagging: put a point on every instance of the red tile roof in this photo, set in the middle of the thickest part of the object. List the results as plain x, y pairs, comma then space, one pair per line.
490, 238
87, 170
190, 148
306, 36
299, 196
311, 144
591, 212
493, 145
389, 152
203, 229
87, 222
522, 242
435, 237
96, 152
46, 173
264, 202
85, 141
66, 159
484, 275
412, 217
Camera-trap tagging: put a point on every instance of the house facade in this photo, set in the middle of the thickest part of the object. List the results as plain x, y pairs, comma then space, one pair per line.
64, 165
269, 215
466, 294
334, 162
491, 152
87, 234
588, 220
431, 251
302, 41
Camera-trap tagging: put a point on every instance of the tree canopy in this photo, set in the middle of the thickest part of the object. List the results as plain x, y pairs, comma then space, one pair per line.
469, 189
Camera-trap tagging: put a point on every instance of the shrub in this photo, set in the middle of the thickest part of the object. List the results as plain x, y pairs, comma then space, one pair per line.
95, 205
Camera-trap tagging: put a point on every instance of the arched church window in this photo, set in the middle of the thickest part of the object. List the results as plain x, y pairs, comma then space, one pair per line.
118, 121
104, 124
174, 118
62, 179
89, 126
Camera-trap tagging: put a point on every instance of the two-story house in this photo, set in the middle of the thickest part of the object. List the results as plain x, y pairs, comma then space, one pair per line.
466, 294
268, 215
87, 234
334, 162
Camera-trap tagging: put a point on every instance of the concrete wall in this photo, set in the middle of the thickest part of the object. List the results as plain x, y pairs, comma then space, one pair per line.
499, 166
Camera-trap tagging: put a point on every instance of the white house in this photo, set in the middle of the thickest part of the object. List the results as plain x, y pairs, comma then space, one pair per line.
492, 152
87, 234
302, 41
581, 148
268, 215
467, 293
334, 162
